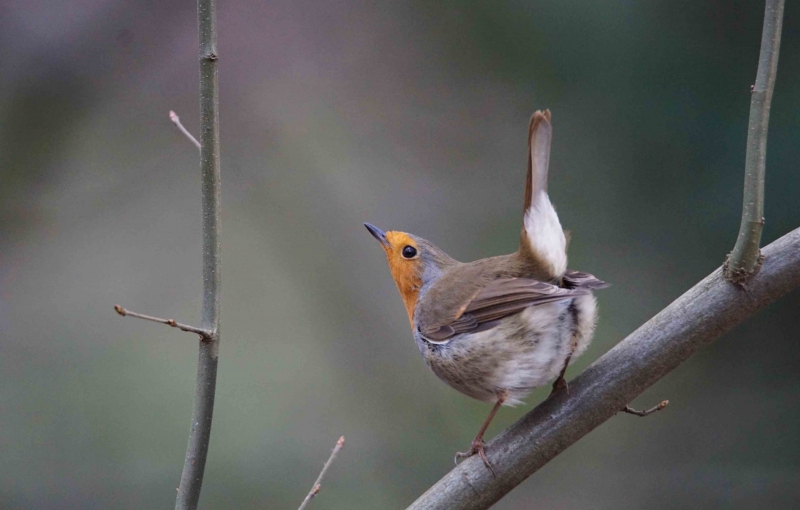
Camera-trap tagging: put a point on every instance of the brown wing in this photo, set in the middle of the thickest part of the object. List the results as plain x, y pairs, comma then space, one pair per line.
498, 299
581, 280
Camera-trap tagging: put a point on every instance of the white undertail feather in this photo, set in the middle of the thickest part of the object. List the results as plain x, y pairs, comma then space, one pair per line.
545, 235
543, 230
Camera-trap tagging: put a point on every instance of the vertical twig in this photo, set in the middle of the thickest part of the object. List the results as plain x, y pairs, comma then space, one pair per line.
197, 450
746, 259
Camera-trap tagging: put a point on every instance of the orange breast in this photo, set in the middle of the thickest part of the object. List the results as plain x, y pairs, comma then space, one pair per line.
410, 300
406, 276
406, 272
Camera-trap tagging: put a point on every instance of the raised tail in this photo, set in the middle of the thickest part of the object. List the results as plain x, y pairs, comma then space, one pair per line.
542, 241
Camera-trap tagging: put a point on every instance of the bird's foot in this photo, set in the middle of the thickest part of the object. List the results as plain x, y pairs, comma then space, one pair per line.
560, 384
478, 446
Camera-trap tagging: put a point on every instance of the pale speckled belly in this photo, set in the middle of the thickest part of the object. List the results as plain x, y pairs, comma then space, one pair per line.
522, 352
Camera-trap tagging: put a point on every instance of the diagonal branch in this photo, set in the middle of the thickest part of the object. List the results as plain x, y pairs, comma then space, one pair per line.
700, 316
746, 258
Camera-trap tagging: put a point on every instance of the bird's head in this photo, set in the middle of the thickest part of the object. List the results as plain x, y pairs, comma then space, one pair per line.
413, 261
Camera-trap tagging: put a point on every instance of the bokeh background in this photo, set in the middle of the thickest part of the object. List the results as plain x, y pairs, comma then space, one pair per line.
413, 116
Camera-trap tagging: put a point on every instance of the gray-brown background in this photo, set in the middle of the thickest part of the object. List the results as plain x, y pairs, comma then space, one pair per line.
412, 116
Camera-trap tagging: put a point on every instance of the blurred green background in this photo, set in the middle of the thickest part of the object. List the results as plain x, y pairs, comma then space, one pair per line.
413, 116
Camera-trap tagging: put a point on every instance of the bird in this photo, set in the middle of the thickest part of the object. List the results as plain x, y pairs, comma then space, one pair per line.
496, 328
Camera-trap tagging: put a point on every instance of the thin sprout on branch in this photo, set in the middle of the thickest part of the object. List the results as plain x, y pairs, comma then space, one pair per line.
177, 121
630, 410
204, 334
318, 484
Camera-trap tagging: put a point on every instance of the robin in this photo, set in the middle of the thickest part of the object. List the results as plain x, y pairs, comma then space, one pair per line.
496, 328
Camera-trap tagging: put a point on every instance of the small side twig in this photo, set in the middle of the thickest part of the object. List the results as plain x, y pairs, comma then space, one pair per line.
630, 410
318, 484
177, 121
205, 335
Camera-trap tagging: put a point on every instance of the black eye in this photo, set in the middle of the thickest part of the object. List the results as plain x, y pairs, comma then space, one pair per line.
409, 252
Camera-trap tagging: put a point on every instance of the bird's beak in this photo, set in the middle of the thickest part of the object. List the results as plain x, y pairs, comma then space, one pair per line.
377, 233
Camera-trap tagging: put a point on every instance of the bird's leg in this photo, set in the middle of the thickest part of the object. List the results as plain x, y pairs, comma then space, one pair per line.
477, 443
561, 382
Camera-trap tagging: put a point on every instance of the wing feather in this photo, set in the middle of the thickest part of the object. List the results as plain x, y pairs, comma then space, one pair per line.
581, 280
500, 298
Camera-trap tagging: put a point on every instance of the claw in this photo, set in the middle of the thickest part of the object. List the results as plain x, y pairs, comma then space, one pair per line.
479, 448
477, 443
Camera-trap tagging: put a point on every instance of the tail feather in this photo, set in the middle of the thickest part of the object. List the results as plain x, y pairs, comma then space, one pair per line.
540, 134
543, 239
